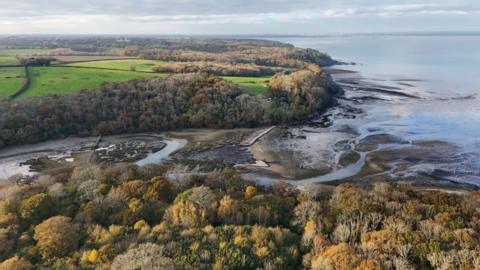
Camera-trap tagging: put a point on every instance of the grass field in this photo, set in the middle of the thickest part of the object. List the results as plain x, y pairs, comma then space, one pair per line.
10, 81
252, 85
64, 80
13, 52
73, 77
138, 64
8, 60
70, 59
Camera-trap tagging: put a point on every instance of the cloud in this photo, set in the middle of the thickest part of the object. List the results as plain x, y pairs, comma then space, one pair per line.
275, 8
272, 15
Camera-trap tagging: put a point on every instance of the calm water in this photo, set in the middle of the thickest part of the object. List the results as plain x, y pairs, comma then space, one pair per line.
445, 63
442, 70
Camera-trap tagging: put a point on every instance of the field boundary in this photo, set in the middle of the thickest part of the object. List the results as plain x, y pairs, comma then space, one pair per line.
94, 60
25, 84
102, 68
10, 66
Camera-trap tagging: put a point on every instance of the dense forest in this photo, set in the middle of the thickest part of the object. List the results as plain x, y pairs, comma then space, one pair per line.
130, 217
286, 57
233, 51
219, 69
108, 44
159, 104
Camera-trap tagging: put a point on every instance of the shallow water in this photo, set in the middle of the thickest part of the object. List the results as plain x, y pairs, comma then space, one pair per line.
441, 71
11, 158
157, 157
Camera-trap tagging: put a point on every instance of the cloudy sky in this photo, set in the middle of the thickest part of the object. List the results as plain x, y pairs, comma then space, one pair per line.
236, 16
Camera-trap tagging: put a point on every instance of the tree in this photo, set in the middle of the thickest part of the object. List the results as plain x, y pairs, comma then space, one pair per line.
7, 242
194, 207
36, 208
159, 189
229, 211
340, 256
146, 256
57, 237
250, 192
16, 263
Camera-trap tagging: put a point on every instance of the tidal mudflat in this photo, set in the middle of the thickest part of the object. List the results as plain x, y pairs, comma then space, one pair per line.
141, 148
378, 131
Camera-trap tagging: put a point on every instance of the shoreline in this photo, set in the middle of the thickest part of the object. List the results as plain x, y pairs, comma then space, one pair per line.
374, 166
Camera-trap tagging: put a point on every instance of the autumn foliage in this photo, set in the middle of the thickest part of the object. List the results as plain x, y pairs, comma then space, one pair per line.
130, 217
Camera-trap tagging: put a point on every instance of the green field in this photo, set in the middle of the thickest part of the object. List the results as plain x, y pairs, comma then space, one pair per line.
13, 52
138, 64
252, 85
8, 60
10, 80
74, 77
64, 80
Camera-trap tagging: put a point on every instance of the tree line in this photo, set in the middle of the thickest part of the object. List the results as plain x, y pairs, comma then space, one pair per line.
218, 69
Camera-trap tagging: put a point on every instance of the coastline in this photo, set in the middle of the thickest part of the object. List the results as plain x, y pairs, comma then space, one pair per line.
383, 157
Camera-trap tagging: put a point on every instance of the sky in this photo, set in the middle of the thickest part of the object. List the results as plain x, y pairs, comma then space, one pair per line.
230, 17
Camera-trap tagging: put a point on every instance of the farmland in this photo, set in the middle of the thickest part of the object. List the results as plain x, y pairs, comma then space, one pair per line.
8, 60
64, 80
11, 78
65, 76
252, 85
127, 65
66, 59
13, 52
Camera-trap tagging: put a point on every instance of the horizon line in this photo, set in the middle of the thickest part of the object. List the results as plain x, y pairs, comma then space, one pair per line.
404, 33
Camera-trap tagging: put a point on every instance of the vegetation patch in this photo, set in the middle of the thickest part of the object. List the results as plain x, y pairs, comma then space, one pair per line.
252, 85
13, 52
8, 60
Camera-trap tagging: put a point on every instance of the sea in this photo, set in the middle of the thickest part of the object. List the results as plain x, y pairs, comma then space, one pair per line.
442, 69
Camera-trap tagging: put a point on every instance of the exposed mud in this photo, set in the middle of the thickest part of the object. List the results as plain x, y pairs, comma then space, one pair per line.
30, 159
